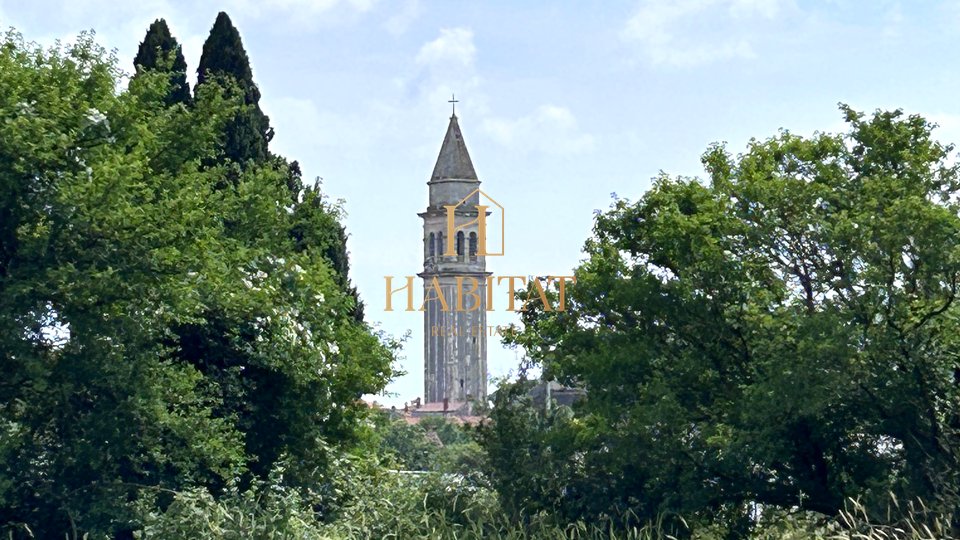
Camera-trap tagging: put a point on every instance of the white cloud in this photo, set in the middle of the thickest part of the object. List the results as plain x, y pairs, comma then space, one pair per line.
420, 91
454, 47
302, 127
765, 8
443, 66
401, 21
693, 32
302, 8
550, 129
119, 26
300, 16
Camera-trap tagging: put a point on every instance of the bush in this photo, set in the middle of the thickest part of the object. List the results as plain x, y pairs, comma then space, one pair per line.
274, 512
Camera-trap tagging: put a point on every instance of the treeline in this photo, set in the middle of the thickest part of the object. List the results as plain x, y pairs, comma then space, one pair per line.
175, 307
779, 340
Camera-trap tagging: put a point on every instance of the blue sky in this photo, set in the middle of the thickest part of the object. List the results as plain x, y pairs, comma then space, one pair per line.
561, 104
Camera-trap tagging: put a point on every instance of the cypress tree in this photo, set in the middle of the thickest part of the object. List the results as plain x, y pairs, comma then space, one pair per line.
225, 59
317, 227
160, 51
246, 138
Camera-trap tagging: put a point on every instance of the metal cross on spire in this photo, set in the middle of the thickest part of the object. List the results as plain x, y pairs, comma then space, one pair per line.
453, 101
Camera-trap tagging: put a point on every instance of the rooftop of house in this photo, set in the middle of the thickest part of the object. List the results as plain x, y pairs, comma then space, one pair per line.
458, 412
469, 420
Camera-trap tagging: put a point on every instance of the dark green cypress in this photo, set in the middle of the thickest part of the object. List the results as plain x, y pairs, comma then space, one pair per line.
160, 51
317, 227
224, 58
246, 137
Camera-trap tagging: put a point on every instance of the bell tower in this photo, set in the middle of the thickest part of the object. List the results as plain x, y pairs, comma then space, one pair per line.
455, 328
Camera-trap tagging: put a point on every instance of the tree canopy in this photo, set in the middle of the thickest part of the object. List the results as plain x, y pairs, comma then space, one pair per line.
225, 61
116, 234
783, 333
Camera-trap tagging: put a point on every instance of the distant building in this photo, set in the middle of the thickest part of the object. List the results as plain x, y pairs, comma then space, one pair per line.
548, 394
455, 341
458, 412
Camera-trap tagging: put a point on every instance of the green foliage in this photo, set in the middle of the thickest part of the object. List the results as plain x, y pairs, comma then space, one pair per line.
433, 444
913, 521
387, 504
316, 226
409, 446
224, 61
260, 512
390, 504
316, 223
530, 459
116, 235
448, 432
467, 459
223, 54
783, 334
160, 51
377, 503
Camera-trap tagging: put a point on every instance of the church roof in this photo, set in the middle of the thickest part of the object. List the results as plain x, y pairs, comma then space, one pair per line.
454, 160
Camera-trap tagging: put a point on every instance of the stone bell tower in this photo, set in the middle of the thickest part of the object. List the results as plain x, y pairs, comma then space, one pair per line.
455, 329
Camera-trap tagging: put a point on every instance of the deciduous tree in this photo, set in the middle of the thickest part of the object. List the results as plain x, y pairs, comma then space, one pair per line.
113, 238
782, 333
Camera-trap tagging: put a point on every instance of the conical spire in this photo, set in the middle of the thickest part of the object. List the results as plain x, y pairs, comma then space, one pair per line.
454, 160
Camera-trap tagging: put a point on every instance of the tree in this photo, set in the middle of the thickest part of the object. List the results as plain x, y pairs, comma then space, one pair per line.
408, 445
317, 227
317, 223
221, 344
224, 55
224, 60
433, 444
783, 334
113, 238
531, 459
160, 51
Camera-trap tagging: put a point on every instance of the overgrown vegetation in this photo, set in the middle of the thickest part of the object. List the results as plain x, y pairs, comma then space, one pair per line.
780, 336
164, 328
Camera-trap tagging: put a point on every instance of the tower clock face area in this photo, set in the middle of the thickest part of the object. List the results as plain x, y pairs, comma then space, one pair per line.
454, 279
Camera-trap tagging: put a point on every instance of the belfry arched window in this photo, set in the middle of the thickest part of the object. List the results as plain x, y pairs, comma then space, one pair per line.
441, 247
460, 244
432, 249
473, 246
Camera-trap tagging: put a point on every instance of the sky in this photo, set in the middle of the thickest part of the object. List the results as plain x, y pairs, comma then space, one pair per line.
563, 105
